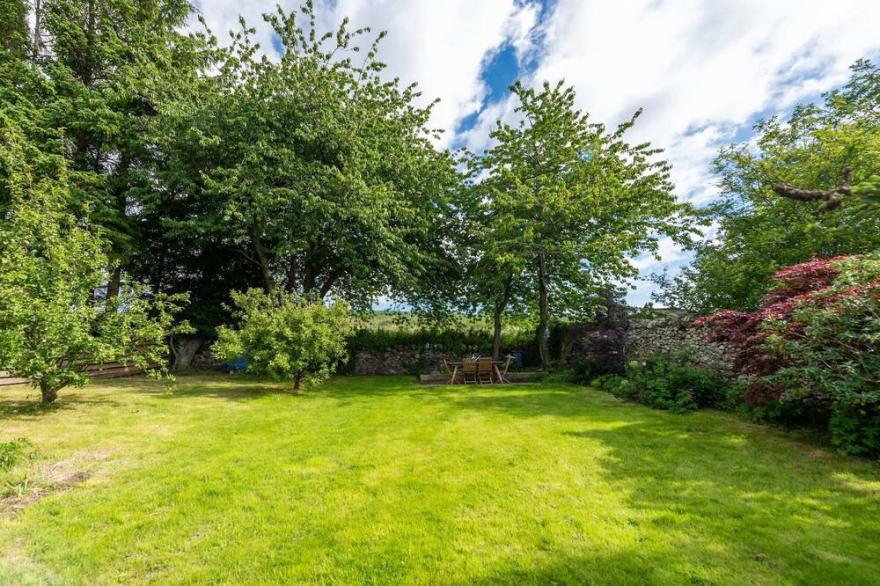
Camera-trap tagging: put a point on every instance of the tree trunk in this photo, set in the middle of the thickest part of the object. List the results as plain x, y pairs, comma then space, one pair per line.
268, 282
37, 46
184, 351
328, 284
49, 394
500, 305
309, 278
291, 274
297, 379
543, 317
115, 282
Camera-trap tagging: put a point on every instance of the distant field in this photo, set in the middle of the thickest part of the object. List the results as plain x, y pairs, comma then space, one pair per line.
378, 480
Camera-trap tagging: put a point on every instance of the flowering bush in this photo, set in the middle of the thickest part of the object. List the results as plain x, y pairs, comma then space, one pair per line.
813, 349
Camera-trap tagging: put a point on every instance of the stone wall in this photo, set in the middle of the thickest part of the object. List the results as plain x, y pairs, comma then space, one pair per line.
672, 332
609, 343
403, 360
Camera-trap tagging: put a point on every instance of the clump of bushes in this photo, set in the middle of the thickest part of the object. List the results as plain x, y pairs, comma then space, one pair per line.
669, 382
812, 350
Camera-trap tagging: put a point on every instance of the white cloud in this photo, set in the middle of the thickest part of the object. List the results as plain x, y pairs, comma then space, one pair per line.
521, 30
667, 252
702, 68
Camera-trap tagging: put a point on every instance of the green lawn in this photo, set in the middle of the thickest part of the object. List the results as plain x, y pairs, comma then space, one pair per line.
378, 480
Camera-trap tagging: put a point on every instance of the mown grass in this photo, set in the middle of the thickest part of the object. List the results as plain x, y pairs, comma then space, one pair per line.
378, 480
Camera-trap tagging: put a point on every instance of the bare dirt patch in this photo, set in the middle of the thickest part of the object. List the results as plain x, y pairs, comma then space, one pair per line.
43, 480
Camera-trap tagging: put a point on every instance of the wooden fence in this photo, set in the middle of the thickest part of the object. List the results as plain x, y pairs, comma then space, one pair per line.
109, 370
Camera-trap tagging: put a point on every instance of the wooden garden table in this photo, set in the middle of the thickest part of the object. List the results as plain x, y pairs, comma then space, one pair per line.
495, 365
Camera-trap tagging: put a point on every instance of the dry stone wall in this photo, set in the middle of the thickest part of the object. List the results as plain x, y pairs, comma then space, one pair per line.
670, 333
404, 360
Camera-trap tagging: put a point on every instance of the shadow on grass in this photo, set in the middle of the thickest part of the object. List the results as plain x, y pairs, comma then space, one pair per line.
16, 408
749, 494
243, 387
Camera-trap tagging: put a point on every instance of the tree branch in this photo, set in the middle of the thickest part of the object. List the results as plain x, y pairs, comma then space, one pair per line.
831, 197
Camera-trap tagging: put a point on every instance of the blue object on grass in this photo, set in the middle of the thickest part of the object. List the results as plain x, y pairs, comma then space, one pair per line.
236, 365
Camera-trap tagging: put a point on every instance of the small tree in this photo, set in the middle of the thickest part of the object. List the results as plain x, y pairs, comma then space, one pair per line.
285, 336
565, 202
52, 323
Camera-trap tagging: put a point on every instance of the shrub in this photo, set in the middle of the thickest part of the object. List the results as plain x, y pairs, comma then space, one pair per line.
12, 452
582, 373
285, 336
812, 349
670, 382
608, 382
855, 425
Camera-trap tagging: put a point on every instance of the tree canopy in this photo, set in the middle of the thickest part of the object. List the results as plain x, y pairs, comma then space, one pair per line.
323, 174
52, 323
563, 205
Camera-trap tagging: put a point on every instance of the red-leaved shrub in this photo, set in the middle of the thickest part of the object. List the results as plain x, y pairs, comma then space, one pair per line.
812, 350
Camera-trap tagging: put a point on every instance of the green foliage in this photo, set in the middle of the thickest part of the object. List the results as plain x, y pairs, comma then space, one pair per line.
761, 232
12, 452
608, 382
52, 323
109, 64
285, 336
855, 425
454, 341
670, 382
582, 373
562, 204
828, 349
14, 28
321, 172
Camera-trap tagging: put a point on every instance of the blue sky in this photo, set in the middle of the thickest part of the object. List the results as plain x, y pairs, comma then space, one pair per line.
703, 70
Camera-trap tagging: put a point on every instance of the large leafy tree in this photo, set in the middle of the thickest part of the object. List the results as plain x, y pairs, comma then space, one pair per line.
99, 72
109, 63
52, 325
806, 190
564, 203
320, 171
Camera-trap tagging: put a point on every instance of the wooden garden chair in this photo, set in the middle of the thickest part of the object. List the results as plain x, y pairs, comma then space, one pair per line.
451, 370
501, 370
469, 370
484, 370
